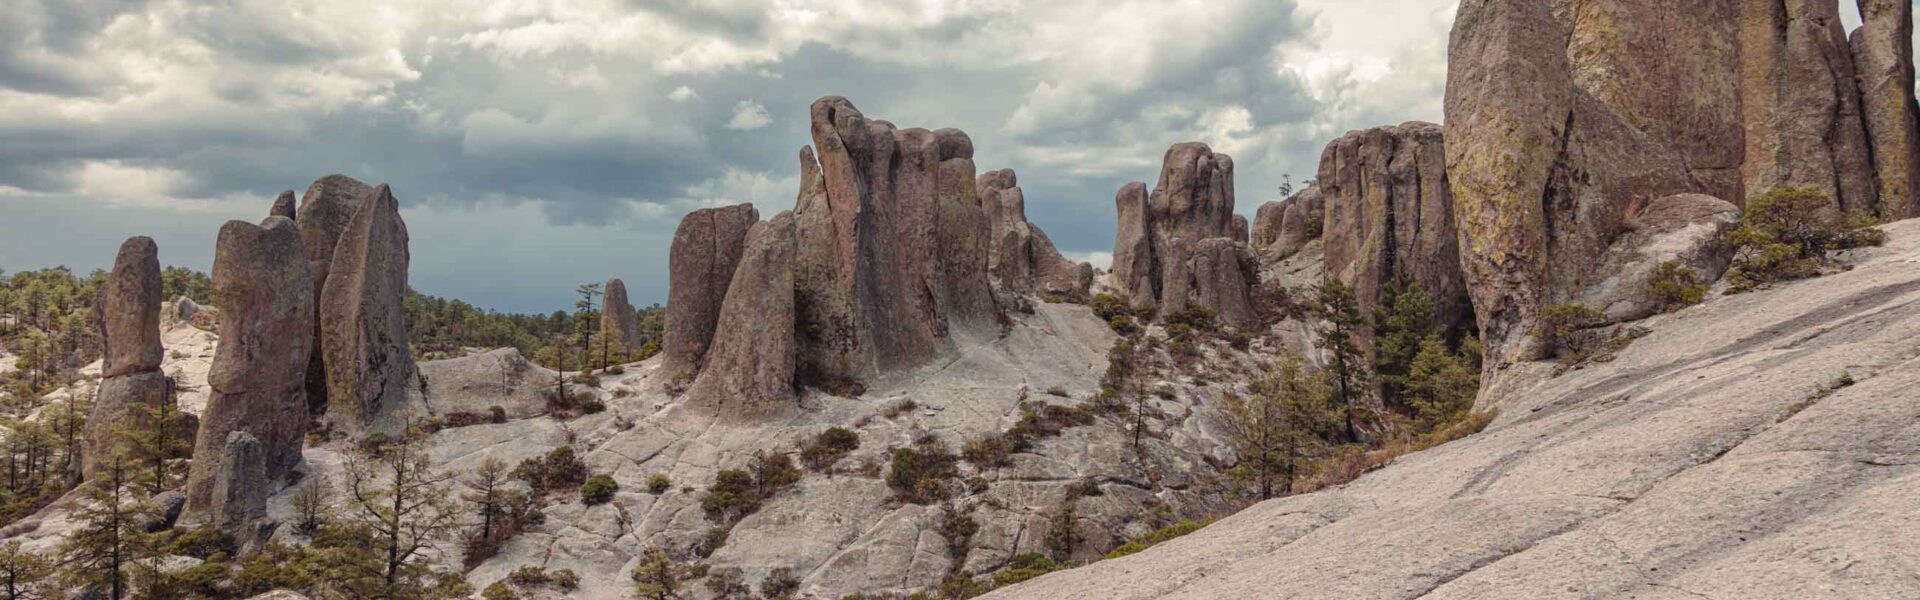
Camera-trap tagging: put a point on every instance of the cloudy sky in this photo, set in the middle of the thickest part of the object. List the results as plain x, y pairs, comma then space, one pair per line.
538, 144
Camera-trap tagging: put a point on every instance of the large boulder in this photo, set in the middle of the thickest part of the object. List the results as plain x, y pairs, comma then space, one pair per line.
1801, 102
1024, 259
1216, 273
1689, 228
893, 249
1267, 221
324, 214
1389, 218
750, 369
619, 323
370, 368
258, 377
706, 249
1281, 229
130, 319
1159, 235
1883, 59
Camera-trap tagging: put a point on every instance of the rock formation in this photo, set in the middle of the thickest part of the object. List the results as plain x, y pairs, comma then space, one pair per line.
1024, 259
237, 491
283, 206
370, 368
1628, 102
619, 324
1689, 228
751, 366
258, 378
706, 250
324, 214
130, 321
892, 249
1281, 228
1159, 234
1883, 58
1802, 102
1389, 217
1239, 230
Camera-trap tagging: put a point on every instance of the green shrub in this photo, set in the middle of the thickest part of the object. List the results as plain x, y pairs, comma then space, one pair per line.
598, 490
989, 450
1109, 306
559, 469
201, 543
917, 475
715, 538
1675, 286
1788, 233
1025, 567
1316, 224
659, 483
498, 591
1123, 325
781, 583
496, 415
1557, 321
1200, 318
829, 447
1162, 534
737, 493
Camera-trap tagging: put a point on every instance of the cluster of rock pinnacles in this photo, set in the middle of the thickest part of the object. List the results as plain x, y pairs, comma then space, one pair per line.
1556, 179
312, 327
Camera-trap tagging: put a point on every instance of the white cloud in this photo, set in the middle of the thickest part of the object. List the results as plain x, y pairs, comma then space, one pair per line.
682, 94
748, 116
1099, 260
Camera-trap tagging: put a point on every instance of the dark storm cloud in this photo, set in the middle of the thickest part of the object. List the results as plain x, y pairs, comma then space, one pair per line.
537, 145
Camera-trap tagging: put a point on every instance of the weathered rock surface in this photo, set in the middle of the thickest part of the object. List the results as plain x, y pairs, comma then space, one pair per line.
1802, 103
283, 206
1159, 237
1239, 230
1389, 217
324, 214
619, 323
892, 262
370, 368
706, 251
258, 377
475, 384
130, 311
1217, 273
1267, 223
1282, 228
1883, 57
240, 485
1689, 228
1704, 461
1024, 259
752, 361
130, 321
1134, 271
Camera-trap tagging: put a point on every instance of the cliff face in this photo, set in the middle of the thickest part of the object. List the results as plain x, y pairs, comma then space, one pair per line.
1567, 120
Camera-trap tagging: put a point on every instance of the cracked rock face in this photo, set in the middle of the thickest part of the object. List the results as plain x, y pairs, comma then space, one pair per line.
324, 214
754, 353
1703, 461
1883, 58
283, 206
130, 317
706, 251
1802, 103
892, 264
258, 377
1281, 228
372, 382
619, 323
1389, 217
1024, 259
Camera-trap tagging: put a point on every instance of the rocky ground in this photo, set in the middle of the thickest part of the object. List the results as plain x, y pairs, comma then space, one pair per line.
1723, 455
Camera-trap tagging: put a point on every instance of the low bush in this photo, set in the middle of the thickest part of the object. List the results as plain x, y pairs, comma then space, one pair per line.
829, 447
1790, 233
1557, 321
598, 490
559, 469
1025, 567
1675, 286
989, 450
659, 483
918, 475
737, 493
1160, 535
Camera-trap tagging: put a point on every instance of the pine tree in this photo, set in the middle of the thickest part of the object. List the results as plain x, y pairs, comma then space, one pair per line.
1276, 428
1339, 315
657, 577
395, 495
110, 535
155, 439
1401, 323
584, 320
24, 575
485, 489
1441, 385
